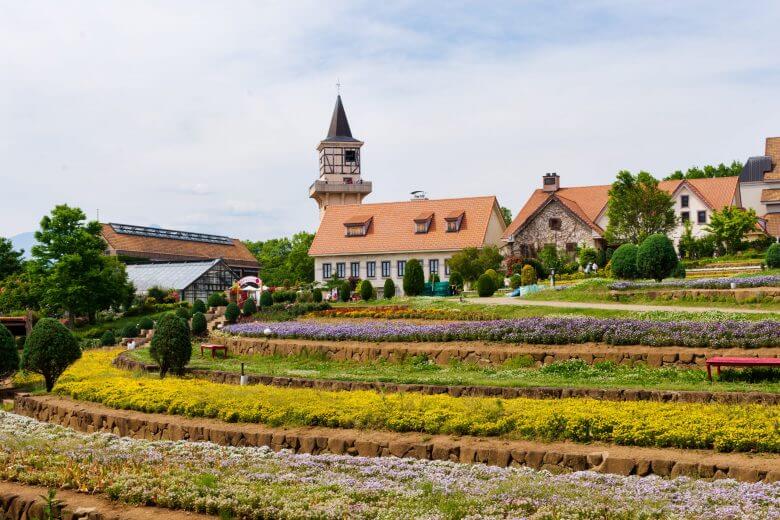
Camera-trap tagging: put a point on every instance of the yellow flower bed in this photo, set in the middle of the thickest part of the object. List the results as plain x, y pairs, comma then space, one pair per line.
719, 426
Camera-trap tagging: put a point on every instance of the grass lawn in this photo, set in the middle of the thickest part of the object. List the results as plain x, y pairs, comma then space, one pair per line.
518, 372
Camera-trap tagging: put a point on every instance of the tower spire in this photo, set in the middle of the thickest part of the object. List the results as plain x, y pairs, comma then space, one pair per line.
339, 126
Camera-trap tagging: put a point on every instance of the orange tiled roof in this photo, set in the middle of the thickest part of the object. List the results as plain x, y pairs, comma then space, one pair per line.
392, 228
169, 249
770, 195
772, 224
588, 202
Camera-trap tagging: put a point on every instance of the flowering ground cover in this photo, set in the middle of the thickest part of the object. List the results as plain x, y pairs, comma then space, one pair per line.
701, 283
395, 312
559, 331
517, 372
258, 483
724, 427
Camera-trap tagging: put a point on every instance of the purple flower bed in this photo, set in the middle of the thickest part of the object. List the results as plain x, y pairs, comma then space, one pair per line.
702, 283
550, 331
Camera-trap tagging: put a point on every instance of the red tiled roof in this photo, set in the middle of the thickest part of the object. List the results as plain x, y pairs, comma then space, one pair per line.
169, 249
357, 220
588, 202
392, 228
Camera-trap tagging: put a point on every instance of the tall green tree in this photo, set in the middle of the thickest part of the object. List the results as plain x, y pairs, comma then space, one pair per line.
638, 208
71, 268
284, 259
300, 264
472, 262
506, 213
730, 225
709, 171
10, 260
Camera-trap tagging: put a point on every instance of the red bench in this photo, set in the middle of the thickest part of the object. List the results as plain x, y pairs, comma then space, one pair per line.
718, 362
213, 348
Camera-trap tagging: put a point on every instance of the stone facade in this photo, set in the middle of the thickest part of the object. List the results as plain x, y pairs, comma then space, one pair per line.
536, 234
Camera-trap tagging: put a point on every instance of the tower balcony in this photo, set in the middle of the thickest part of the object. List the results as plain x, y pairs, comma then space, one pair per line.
323, 187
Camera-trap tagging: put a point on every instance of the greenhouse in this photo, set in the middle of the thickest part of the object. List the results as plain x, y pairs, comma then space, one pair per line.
192, 280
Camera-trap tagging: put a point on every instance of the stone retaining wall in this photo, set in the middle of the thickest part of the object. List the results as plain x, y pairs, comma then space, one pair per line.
556, 457
15, 507
124, 361
482, 353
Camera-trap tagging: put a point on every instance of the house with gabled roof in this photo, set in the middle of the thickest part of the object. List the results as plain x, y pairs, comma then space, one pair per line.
759, 185
375, 241
572, 217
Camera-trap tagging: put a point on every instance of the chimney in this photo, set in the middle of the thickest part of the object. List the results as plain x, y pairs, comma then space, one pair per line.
551, 182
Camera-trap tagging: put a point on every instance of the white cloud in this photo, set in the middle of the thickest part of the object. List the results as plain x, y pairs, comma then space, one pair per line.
194, 115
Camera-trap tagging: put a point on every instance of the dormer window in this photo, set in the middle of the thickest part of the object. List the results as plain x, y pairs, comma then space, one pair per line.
422, 223
357, 226
350, 156
454, 220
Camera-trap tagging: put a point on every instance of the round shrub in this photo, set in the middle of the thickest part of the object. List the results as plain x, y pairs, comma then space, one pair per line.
108, 339
267, 298
9, 354
199, 325
389, 289
183, 313
773, 256
345, 291
414, 278
655, 257
171, 347
541, 272
456, 279
623, 262
316, 295
129, 331
49, 350
516, 280
217, 299
249, 307
528, 275
486, 285
231, 313
498, 278
366, 290
145, 323
198, 306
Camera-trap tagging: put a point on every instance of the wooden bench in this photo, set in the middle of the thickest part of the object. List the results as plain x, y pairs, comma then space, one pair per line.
213, 348
718, 362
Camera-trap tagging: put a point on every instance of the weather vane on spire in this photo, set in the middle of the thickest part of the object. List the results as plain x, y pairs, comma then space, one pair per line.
338, 87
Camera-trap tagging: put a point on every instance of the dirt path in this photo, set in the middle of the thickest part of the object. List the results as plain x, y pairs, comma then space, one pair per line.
503, 300
95, 503
560, 456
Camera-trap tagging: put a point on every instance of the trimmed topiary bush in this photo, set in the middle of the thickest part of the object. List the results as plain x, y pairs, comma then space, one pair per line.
773, 256
108, 339
498, 278
316, 295
9, 354
456, 279
267, 299
129, 331
486, 285
345, 291
623, 262
49, 350
171, 347
528, 275
655, 257
198, 306
389, 289
414, 278
217, 300
366, 290
199, 325
515, 281
231, 313
249, 307
146, 323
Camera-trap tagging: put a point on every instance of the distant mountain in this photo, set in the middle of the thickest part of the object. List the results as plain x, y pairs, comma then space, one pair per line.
24, 241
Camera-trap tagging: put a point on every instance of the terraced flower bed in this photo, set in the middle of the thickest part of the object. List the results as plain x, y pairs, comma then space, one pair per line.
396, 312
708, 426
258, 483
558, 331
701, 283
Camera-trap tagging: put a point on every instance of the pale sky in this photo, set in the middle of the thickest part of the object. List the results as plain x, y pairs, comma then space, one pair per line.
205, 116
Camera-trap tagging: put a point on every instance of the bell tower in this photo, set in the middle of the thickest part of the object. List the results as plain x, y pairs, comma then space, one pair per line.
340, 181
